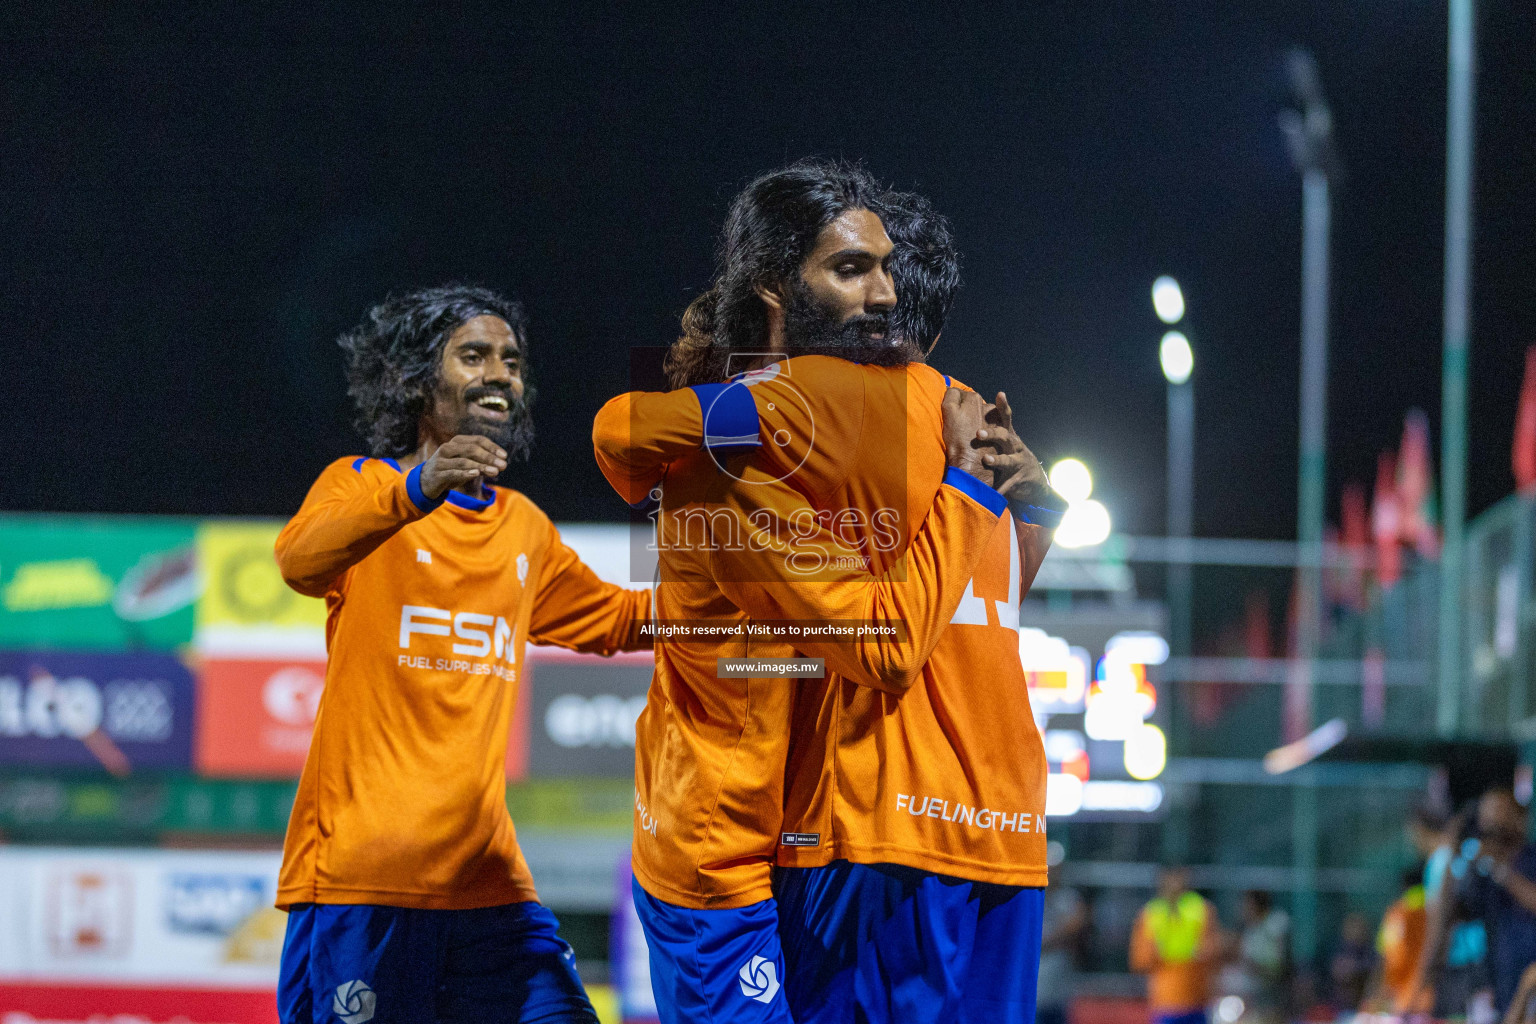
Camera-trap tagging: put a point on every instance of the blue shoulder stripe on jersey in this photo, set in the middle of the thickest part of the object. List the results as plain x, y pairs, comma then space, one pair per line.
947, 384
978, 491
357, 464
730, 415
463, 500
418, 497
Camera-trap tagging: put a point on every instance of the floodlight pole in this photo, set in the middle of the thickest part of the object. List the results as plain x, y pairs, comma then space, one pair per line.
1459, 146
1309, 135
1181, 510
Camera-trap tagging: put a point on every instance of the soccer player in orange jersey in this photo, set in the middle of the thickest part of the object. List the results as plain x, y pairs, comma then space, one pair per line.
408, 897
857, 750
937, 917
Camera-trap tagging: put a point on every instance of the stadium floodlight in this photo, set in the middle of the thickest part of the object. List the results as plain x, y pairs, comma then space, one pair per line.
1085, 524
1146, 752
1071, 479
1167, 300
1177, 357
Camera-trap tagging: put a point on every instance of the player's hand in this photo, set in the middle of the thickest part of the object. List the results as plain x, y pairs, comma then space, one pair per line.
1017, 474
965, 416
465, 459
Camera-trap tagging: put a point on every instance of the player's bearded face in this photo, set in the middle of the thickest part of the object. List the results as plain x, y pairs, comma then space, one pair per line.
813, 325
514, 434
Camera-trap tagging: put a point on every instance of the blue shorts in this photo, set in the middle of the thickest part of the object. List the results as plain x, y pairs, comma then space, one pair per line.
350, 964
884, 944
1187, 1017
714, 966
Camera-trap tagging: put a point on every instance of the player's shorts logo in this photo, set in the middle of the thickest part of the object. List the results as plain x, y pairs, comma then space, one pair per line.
759, 979
355, 1002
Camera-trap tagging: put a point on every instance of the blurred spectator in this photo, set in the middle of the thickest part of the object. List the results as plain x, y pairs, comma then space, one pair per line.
1400, 941
1259, 974
1349, 969
1066, 922
1453, 963
1176, 943
1522, 1009
1499, 887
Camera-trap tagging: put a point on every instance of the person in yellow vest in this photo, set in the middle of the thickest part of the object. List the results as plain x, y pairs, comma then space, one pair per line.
1177, 944
1399, 985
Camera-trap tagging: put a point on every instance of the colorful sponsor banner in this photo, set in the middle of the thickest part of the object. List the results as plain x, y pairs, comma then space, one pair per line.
98, 1004
37, 806
140, 917
629, 958
580, 710
114, 711
246, 608
96, 583
255, 716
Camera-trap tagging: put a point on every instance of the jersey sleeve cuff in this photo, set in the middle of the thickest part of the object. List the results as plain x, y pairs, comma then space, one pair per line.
1044, 508
730, 415
413, 489
976, 490
1037, 515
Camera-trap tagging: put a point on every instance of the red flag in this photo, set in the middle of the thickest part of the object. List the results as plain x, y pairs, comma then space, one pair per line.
1387, 522
1524, 458
1256, 635
1355, 537
1416, 486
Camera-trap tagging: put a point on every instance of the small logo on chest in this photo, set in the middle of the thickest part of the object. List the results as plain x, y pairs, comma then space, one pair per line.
423, 555
522, 568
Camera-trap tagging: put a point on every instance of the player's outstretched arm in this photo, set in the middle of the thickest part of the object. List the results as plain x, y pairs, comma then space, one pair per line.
574, 609
637, 434
346, 515
789, 567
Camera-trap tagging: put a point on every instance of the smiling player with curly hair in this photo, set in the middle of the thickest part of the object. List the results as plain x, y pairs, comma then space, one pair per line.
408, 897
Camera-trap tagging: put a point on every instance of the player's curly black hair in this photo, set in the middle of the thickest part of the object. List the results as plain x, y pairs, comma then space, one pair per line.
925, 266
393, 357
769, 230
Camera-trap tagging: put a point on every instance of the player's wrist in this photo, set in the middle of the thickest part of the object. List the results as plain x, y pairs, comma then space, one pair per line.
1035, 503
415, 489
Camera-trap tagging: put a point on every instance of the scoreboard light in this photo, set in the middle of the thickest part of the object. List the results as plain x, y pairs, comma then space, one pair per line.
1063, 795
1056, 673
1139, 645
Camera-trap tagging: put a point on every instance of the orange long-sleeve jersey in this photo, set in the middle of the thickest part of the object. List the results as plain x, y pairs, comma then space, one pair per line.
945, 772
402, 801
739, 545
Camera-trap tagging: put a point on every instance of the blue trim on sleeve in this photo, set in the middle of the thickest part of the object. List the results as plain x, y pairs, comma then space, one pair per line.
413, 488
463, 500
730, 415
357, 464
947, 384
978, 491
1038, 515
392, 464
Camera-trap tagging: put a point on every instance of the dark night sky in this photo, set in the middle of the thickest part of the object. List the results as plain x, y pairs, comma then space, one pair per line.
195, 205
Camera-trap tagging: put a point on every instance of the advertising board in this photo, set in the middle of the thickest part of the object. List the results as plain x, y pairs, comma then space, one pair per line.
117, 711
